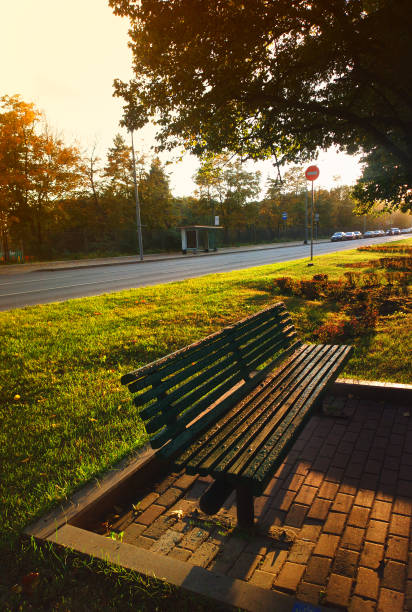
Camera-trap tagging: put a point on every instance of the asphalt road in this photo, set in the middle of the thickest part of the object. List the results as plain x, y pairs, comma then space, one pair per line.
41, 287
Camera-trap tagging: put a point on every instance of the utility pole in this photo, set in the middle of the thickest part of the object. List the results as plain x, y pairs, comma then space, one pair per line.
306, 214
136, 196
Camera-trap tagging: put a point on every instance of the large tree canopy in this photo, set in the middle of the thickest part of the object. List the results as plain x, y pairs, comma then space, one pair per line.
277, 77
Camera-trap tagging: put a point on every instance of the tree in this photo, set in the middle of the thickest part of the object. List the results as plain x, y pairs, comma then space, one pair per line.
279, 77
157, 207
36, 168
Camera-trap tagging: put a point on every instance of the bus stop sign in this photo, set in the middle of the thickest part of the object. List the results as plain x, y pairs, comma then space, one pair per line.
312, 173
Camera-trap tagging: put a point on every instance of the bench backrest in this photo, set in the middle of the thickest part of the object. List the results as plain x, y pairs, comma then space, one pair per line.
176, 389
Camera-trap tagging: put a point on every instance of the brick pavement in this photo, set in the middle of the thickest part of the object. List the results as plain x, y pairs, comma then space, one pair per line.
333, 526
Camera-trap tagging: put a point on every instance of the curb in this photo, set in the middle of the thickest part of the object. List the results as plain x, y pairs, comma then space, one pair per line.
98, 264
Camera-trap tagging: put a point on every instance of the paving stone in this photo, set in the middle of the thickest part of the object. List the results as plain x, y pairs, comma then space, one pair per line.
367, 583
262, 504
293, 482
390, 601
132, 532
346, 562
184, 505
381, 511
365, 497
283, 500
358, 604
400, 525
272, 518
394, 575
314, 479
164, 484
358, 516
273, 487
161, 525
146, 501
258, 545
334, 474
289, 576
326, 545
143, 542
205, 554
342, 503
310, 593
408, 595
306, 495
195, 492
150, 515
262, 579
353, 538
335, 523
194, 538
296, 515
244, 566
377, 531
300, 551
166, 542
338, 590
228, 556
349, 486
317, 570
403, 505
310, 532
372, 555
328, 490
180, 553
185, 481
319, 509
397, 548
274, 561
169, 497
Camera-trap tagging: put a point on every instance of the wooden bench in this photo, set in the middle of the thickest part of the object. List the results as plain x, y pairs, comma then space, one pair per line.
232, 404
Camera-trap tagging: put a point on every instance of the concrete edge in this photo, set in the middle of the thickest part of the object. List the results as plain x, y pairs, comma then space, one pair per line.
99, 493
374, 390
195, 579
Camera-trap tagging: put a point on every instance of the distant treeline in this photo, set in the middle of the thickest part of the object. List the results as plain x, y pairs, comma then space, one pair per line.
57, 202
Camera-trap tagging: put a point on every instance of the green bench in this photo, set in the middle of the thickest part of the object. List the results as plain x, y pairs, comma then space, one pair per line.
231, 405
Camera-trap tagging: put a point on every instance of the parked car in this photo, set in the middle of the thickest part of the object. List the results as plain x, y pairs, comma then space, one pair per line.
338, 236
405, 231
369, 234
395, 231
358, 234
350, 236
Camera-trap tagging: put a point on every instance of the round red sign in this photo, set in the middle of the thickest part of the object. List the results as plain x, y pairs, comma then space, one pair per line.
312, 173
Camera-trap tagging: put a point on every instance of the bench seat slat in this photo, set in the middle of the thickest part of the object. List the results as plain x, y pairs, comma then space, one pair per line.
276, 407
250, 407
175, 446
259, 478
284, 416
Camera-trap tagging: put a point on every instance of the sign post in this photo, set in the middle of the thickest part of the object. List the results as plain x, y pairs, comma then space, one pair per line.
284, 217
311, 174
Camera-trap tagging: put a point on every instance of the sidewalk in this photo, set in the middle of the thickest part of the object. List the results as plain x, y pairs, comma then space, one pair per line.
134, 259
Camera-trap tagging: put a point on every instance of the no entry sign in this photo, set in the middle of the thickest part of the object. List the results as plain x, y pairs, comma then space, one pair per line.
312, 173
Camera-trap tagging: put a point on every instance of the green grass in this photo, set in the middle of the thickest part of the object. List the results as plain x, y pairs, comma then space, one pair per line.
65, 417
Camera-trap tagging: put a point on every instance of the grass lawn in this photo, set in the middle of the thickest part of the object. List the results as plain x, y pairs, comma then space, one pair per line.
66, 418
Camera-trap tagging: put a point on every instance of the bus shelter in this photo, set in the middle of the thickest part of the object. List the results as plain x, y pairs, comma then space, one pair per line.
199, 238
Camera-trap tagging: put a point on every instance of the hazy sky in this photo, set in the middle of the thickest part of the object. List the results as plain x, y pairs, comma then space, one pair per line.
63, 55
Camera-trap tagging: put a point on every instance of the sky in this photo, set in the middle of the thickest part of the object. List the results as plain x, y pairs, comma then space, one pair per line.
63, 55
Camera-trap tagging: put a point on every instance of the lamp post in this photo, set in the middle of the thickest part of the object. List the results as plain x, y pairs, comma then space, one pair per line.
136, 196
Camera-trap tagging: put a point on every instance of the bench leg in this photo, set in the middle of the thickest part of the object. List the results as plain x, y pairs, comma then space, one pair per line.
215, 496
245, 507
